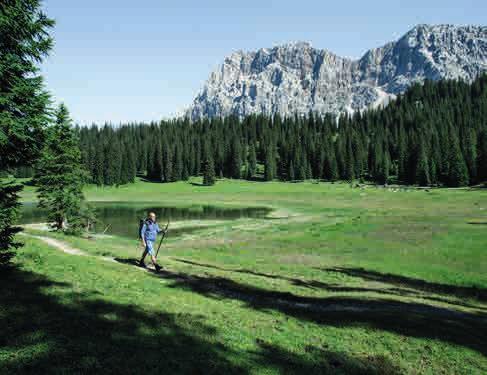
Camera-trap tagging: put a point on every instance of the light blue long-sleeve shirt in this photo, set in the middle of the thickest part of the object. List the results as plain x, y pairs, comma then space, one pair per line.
149, 230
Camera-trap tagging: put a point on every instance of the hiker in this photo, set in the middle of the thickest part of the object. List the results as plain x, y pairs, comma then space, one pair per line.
148, 235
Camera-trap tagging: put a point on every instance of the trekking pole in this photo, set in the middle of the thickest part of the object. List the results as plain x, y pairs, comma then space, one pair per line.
162, 238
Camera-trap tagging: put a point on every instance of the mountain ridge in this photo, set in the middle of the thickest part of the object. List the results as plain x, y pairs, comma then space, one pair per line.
297, 78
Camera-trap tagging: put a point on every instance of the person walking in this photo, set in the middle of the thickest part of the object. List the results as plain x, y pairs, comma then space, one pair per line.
148, 234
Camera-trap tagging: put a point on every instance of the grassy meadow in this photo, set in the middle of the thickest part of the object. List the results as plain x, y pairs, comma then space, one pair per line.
336, 280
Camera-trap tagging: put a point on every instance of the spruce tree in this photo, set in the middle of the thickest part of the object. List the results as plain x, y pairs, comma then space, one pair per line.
157, 165
235, 159
24, 42
167, 161
423, 168
469, 148
292, 173
98, 168
132, 167
125, 171
330, 171
113, 161
209, 171
178, 163
482, 157
270, 164
458, 172
301, 172
60, 175
9, 204
252, 162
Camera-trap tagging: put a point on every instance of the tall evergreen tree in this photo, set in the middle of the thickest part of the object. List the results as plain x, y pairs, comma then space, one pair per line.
423, 168
157, 164
60, 175
270, 164
235, 159
128, 168
209, 171
24, 42
458, 172
113, 162
482, 157
252, 162
178, 163
98, 168
292, 173
167, 161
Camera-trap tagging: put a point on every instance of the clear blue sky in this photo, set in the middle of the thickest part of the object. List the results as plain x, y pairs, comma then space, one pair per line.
125, 60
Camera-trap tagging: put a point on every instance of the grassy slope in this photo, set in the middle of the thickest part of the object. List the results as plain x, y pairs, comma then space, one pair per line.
259, 296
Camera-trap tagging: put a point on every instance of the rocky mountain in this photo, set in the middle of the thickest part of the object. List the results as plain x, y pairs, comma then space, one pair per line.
297, 78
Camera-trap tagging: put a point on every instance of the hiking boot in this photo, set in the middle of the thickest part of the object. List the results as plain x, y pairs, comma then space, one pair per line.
158, 267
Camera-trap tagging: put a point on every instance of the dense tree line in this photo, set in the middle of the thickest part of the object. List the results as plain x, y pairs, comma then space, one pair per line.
434, 134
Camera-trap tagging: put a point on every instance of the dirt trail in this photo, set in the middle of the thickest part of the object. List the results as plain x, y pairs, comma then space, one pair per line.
66, 248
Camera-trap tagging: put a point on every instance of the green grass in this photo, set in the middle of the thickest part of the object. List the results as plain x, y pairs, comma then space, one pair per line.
339, 281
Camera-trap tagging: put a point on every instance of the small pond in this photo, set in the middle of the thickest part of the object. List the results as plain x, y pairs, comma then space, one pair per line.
123, 218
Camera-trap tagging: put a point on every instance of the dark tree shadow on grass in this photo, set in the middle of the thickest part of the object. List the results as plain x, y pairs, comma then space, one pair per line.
479, 294
405, 318
47, 327
335, 288
320, 361
84, 334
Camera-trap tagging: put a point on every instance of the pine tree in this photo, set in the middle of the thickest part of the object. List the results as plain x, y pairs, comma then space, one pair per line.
131, 167
125, 171
252, 162
235, 159
208, 171
423, 168
9, 204
270, 164
178, 163
149, 157
292, 173
458, 172
24, 42
157, 171
482, 157
301, 172
470, 152
98, 168
167, 162
60, 175
113, 162
402, 155
330, 171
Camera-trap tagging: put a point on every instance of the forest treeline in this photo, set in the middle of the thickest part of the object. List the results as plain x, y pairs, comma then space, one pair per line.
434, 134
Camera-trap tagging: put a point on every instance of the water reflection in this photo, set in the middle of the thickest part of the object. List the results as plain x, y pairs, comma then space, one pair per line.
122, 218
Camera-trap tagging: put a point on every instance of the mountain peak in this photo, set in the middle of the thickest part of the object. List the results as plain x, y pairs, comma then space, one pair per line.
294, 77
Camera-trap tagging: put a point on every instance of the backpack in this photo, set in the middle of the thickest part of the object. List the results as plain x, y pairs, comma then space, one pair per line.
141, 224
